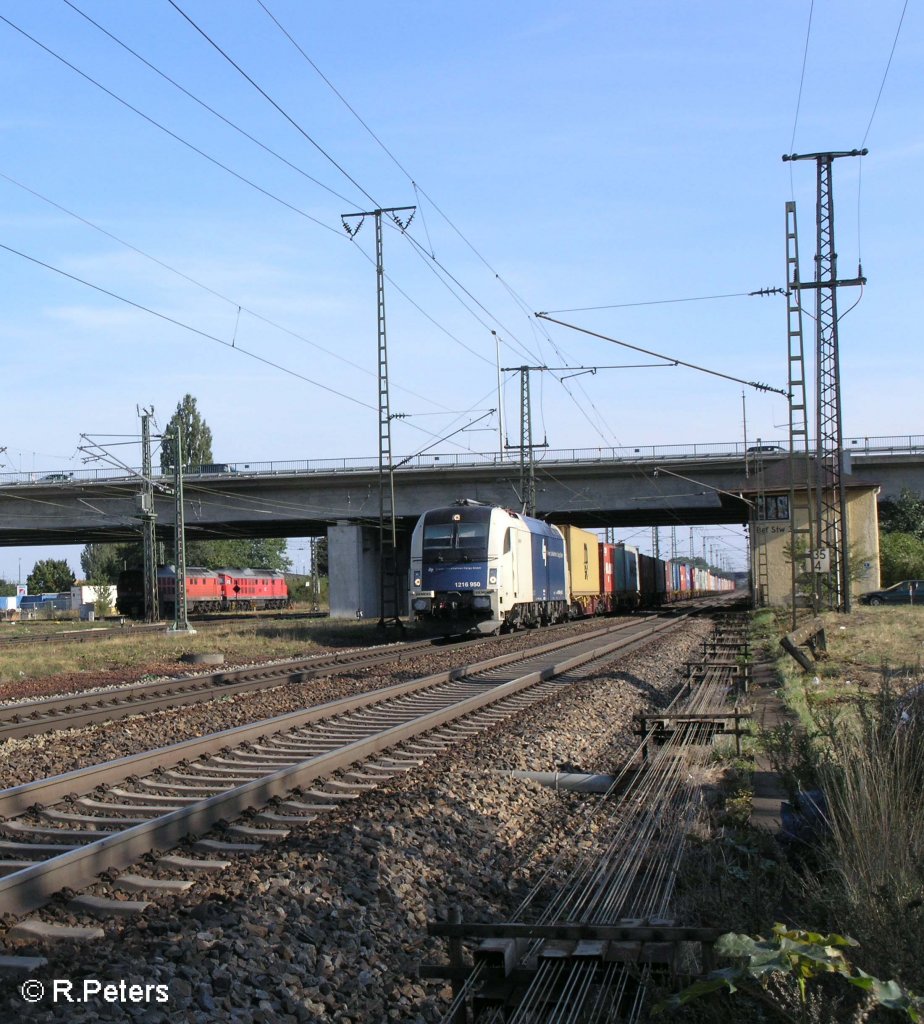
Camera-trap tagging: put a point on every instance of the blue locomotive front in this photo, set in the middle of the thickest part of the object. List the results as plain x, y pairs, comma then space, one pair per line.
483, 567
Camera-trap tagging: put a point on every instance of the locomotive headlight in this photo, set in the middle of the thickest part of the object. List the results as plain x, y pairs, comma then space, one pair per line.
416, 581
492, 579
481, 601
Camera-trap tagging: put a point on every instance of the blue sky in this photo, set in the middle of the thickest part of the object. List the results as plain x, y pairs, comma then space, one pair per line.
561, 157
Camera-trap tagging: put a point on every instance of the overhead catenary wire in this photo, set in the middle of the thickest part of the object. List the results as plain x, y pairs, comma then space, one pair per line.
210, 337
428, 253
187, 327
211, 291
235, 174
658, 302
795, 121
271, 101
885, 74
869, 126
185, 142
659, 355
206, 106
266, 192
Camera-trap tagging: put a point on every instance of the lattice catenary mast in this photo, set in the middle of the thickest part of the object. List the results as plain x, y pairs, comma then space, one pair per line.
831, 523
388, 534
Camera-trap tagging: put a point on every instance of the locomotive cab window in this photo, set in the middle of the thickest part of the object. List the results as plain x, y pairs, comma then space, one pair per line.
437, 535
466, 541
471, 535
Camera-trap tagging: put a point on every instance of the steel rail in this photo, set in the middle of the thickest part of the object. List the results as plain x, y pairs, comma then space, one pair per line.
92, 633
73, 710
634, 873
31, 886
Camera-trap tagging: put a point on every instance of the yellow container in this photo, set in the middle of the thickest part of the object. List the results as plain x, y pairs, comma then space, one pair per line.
583, 561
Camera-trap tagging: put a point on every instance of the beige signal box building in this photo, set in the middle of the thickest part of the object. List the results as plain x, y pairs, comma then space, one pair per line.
772, 530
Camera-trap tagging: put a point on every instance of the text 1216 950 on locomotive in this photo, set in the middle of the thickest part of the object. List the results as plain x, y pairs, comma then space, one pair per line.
477, 566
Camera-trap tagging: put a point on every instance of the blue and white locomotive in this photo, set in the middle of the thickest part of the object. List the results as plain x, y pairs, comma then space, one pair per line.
487, 568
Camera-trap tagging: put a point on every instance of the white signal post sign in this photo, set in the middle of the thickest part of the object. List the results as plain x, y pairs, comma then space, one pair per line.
821, 560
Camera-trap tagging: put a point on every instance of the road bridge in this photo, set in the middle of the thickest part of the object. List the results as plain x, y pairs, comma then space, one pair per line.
591, 487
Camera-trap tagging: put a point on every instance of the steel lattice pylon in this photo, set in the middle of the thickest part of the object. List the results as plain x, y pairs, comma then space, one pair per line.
801, 537
831, 525
527, 465
148, 519
388, 540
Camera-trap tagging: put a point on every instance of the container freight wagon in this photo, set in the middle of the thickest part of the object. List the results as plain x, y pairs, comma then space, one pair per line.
585, 593
651, 582
607, 553
477, 566
626, 572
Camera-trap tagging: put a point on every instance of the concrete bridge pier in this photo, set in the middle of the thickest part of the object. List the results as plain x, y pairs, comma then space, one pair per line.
353, 561
353, 570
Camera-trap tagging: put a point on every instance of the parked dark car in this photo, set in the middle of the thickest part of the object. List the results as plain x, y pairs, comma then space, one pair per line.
58, 478
906, 592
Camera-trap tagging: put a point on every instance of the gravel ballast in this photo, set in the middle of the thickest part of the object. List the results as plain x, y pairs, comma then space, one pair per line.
330, 923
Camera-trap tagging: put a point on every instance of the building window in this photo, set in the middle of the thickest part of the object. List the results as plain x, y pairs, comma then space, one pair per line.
773, 508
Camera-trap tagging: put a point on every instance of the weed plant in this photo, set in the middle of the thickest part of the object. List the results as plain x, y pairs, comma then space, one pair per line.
874, 785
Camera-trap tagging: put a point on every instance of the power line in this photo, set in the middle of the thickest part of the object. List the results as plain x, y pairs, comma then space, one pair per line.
795, 122
662, 302
418, 190
429, 252
885, 75
224, 166
869, 125
167, 131
658, 355
187, 327
292, 121
204, 105
328, 156
270, 100
210, 337
204, 287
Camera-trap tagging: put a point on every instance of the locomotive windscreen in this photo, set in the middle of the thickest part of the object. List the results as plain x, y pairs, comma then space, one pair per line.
447, 537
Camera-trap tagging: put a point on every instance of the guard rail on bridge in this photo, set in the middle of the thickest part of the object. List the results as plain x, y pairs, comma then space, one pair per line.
905, 444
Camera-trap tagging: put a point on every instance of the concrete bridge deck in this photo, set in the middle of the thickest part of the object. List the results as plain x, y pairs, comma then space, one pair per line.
591, 487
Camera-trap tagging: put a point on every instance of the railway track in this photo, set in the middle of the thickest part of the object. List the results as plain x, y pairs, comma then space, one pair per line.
68, 711
74, 710
63, 832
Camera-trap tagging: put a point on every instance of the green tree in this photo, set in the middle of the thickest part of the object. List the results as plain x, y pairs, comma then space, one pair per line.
197, 437
7, 589
50, 576
102, 605
901, 557
102, 563
262, 553
904, 514
322, 556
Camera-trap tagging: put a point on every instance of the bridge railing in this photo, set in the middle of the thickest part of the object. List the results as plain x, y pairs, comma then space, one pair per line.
893, 444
